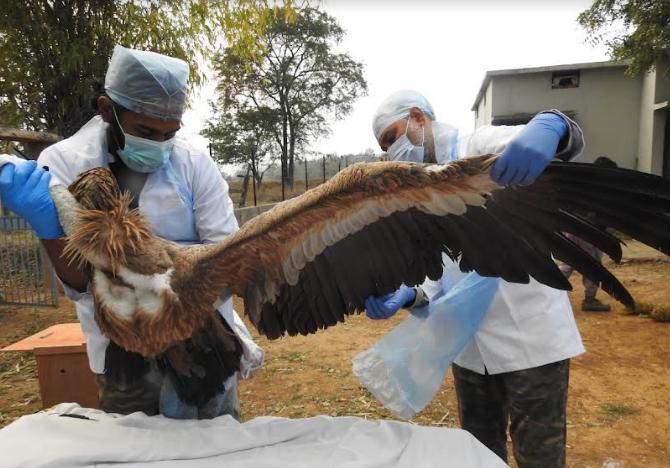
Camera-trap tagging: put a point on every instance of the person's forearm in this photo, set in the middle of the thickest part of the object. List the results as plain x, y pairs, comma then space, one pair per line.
68, 273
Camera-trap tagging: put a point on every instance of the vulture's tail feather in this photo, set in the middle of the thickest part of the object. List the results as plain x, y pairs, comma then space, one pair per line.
200, 365
124, 366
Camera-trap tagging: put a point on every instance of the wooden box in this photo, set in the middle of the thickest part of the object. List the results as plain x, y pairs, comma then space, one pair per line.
62, 365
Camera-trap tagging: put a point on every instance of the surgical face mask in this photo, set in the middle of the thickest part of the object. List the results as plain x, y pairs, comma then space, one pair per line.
404, 150
142, 154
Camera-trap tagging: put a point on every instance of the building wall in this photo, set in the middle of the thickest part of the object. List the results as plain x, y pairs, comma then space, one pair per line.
483, 115
653, 115
647, 124
662, 85
606, 105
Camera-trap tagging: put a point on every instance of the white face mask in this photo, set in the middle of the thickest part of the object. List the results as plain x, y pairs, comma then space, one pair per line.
404, 150
142, 154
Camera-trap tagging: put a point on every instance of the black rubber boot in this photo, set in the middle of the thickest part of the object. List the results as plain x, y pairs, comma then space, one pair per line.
591, 304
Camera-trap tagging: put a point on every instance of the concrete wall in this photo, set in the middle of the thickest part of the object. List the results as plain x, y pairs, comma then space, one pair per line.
662, 84
606, 106
646, 127
245, 214
653, 114
484, 116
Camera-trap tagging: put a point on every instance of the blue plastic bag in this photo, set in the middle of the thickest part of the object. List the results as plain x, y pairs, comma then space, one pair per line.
405, 368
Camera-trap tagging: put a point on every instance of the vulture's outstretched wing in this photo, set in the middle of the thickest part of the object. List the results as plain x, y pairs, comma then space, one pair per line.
310, 261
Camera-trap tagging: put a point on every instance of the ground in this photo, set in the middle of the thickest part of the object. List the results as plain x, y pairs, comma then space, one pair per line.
618, 402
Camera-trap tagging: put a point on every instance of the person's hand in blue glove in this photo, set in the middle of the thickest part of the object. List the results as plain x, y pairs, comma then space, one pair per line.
531, 151
24, 189
386, 306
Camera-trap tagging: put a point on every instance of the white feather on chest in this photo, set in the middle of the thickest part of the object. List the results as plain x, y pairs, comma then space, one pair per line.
140, 292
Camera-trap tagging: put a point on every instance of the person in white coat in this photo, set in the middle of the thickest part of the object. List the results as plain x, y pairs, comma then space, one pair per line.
177, 187
515, 369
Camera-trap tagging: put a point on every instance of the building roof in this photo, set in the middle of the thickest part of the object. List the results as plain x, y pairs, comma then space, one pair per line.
551, 68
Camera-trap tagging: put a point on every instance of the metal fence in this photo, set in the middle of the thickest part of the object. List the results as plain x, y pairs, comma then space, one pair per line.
26, 275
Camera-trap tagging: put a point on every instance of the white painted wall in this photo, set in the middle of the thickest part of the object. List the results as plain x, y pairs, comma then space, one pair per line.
646, 129
484, 115
655, 92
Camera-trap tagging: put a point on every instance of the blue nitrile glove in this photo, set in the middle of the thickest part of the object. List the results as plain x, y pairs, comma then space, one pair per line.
526, 156
24, 189
386, 306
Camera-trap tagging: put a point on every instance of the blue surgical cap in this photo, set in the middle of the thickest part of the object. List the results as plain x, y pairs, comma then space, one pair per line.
396, 107
148, 83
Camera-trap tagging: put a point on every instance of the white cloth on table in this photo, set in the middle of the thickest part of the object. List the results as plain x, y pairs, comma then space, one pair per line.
50, 439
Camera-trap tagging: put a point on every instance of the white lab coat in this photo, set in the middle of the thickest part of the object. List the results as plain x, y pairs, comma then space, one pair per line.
186, 201
527, 325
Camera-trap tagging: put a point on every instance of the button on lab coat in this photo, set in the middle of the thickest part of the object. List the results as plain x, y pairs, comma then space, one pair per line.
186, 201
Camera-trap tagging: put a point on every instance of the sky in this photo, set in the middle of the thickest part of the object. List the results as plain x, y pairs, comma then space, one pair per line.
440, 48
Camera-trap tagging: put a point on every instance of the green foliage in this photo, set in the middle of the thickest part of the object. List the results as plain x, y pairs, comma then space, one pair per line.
243, 136
634, 30
296, 75
51, 51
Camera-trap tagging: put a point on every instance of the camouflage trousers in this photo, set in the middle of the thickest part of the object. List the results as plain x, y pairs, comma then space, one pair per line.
533, 403
590, 288
154, 394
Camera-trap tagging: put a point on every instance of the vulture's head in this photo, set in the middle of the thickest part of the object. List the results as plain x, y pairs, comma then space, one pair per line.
107, 233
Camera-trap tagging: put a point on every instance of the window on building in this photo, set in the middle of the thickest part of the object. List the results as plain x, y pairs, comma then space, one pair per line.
565, 79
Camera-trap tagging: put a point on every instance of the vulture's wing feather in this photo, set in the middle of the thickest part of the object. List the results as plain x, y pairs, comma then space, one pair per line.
631, 202
310, 261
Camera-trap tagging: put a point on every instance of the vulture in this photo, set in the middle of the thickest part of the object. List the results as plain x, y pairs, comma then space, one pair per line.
310, 261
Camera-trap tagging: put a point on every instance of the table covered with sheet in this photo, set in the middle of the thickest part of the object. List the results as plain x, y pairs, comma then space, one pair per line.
70, 436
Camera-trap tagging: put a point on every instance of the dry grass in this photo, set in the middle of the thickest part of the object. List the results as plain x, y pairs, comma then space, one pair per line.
661, 314
657, 312
19, 392
616, 410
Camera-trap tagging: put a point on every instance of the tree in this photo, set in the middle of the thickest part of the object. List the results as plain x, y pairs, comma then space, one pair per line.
51, 51
297, 74
644, 35
244, 137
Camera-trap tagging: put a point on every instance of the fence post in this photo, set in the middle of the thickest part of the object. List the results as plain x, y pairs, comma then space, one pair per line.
324, 169
306, 183
283, 178
253, 177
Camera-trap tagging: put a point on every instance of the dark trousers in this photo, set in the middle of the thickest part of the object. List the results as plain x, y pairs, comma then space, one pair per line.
152, 394
590, 287
532, 400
